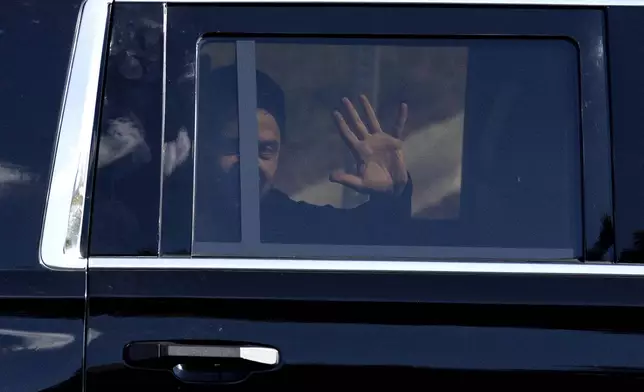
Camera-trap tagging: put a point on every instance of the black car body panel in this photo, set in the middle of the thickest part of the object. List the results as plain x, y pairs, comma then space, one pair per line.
41, 311
73, 329
359, 329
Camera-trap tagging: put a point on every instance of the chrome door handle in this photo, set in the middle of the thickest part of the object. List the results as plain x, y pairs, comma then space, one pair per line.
141, 352
263, 355
202, 363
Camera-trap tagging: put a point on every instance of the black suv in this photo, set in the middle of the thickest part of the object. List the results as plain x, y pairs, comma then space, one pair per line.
442, 194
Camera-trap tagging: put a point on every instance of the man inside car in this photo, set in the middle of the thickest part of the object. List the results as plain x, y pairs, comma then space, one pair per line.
380, 172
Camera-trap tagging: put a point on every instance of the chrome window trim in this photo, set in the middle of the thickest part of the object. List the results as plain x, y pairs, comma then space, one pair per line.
60, 240
188, 263
585, 3
62, 226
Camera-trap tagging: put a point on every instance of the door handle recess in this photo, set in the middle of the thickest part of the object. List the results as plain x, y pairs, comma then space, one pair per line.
202, 362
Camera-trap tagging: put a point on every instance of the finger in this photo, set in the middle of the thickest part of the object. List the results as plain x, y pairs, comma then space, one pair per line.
374, 124
349, 137
360, 129
401, 121
349, 180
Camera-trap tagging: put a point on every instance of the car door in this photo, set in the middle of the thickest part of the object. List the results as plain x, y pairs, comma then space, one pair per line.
41, 309
466, 238
627, 135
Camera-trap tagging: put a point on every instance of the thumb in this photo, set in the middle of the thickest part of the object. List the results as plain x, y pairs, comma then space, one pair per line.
349, 180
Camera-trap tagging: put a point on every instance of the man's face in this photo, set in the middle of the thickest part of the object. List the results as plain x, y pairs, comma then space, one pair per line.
268, 150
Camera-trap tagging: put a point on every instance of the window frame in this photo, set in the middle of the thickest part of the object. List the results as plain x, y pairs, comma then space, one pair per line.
189, 25
61, 247
250, 216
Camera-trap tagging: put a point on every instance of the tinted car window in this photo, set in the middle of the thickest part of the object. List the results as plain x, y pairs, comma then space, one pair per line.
126, 189
459, 144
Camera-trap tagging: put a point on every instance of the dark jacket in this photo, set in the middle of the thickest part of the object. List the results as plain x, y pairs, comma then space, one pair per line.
286, 221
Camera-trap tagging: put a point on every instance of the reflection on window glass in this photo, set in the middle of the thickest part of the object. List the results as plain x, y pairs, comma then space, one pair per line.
125, 198
382, 142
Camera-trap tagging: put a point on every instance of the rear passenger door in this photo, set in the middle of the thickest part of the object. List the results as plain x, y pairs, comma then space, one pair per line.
466, 238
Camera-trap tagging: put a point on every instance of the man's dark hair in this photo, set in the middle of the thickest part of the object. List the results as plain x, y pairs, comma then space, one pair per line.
217, 103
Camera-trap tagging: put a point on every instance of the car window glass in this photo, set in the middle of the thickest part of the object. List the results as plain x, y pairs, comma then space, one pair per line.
128, 168
468, 143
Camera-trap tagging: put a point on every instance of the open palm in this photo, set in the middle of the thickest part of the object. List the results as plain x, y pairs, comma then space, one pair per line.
379, 158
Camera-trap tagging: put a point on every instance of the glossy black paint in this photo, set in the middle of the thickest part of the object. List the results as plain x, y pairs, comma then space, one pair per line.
333, 343
41, 311
626, 56
329, 377
580, 329
426, 288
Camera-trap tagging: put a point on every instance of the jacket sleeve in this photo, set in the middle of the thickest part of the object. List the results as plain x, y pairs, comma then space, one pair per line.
389, 206
377, 221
